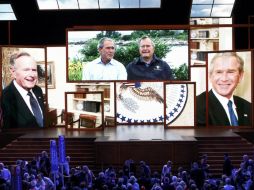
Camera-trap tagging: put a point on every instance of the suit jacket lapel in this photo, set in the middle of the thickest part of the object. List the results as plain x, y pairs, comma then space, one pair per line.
217, 113
242, 115
21, 105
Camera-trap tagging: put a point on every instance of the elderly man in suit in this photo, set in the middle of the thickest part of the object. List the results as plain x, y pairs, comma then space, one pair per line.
224, 108
148, 66
22, 100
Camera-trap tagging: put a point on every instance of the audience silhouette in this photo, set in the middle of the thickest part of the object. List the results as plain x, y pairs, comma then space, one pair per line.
36, 175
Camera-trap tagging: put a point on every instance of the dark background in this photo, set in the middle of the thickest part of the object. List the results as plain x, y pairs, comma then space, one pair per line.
34, 27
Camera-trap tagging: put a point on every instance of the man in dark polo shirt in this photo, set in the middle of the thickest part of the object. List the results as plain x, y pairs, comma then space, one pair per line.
148, 66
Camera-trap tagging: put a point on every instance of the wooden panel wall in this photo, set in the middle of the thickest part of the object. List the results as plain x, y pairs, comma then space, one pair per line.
154, 153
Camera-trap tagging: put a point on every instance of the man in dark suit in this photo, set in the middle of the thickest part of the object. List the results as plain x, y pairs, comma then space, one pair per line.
148, 66
18, 110
225, 72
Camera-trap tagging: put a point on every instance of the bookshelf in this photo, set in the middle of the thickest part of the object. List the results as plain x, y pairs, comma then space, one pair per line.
207, 35
90, 104
202, 41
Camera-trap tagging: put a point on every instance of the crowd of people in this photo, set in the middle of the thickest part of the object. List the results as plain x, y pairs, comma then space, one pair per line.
36, 175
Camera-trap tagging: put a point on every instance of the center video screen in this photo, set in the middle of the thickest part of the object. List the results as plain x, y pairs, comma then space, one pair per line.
121, 55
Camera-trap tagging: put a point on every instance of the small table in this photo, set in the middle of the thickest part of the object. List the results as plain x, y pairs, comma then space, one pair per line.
51, 117
87, 120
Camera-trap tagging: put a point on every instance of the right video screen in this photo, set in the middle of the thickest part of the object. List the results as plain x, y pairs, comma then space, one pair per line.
227, 98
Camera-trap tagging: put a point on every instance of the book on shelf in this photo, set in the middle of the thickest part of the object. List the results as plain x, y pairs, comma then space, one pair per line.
106, 92
216, 46
80, 89
203, 34
201, 56
194, 45
91, 106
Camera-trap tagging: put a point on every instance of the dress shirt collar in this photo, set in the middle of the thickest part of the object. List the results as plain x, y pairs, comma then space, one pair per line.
224, 103
223, 100
109, 63
22, 91
141, 60
146, 63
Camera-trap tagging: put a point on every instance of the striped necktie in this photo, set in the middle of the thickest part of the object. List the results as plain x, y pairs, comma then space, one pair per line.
233, 117
36, 109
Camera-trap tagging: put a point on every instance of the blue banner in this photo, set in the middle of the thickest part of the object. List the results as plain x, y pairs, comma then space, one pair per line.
61, 147
16, 179
53, 156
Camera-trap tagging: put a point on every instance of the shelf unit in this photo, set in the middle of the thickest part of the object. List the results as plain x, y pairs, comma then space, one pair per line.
202, 41
207, 35
90, 104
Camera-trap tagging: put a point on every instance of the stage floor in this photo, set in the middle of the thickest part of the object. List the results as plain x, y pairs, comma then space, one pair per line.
152, 143
134, 132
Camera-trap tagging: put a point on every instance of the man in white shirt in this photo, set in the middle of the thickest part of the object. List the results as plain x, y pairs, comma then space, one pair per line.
105, 67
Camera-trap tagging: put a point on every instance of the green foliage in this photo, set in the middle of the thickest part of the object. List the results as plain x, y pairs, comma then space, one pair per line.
161, 48
109, 34
126, 54
139, 33
182, 36
157, 34
89, 51
126, 37
75, 70
181, 73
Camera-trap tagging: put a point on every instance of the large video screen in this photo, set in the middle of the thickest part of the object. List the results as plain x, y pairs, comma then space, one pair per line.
227, 99
128, 55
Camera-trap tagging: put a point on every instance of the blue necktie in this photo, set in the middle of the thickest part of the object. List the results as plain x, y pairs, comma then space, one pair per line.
233, 118
36, 109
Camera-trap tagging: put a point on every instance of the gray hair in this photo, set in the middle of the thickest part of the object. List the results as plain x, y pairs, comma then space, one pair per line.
102, 40
15, 56
143, 38
227, 54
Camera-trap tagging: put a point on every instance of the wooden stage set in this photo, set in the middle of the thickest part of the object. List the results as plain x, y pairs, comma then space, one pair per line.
151, 143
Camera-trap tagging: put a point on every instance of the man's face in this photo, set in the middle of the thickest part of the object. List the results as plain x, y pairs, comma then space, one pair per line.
225, 76
146, 48
107, 52
25, 72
